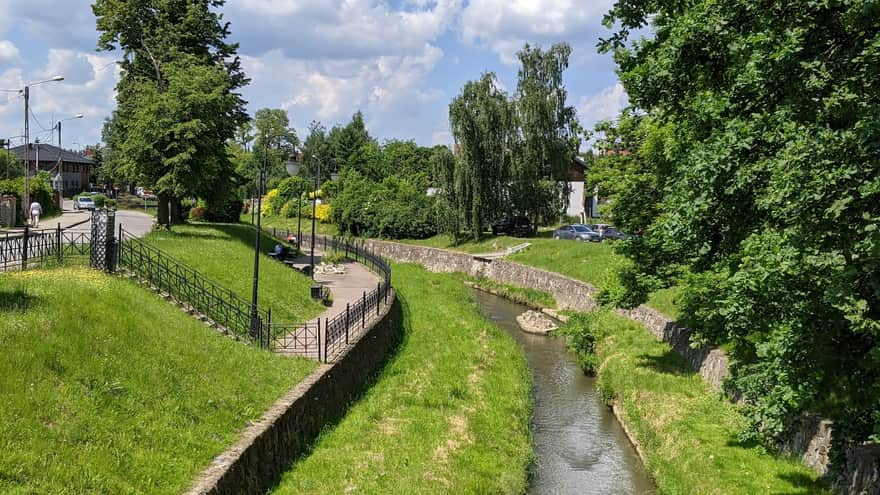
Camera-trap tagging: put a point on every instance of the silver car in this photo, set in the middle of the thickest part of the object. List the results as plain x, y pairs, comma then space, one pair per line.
578, 232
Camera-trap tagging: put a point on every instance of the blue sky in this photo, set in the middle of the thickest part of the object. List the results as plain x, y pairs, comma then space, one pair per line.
400, 62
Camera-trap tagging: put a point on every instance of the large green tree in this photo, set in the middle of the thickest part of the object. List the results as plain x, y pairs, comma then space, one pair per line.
482, 120
272, 125
761, 139
177, 99
547, 137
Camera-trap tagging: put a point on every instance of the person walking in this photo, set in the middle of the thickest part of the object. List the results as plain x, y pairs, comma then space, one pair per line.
36, 211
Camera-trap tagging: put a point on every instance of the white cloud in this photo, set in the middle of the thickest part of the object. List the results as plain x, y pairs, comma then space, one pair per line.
389, 89
505, 25
8, 51
339, 29
88, 88
604, 105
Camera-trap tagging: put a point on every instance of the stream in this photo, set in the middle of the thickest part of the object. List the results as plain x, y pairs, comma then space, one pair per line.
579, 446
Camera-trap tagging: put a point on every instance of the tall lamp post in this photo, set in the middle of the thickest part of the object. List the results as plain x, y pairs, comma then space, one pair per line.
333, 176
292, 167
26, 91
255, 316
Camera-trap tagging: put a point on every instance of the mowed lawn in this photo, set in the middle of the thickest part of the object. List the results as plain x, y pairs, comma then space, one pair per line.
225, 253
688, 433
448, 414
106, 388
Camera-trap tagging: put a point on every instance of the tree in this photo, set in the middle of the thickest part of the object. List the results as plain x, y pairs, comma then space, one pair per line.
547, 137
482, 120
274, 125
346, 142
177, 104
760, 146
317, 150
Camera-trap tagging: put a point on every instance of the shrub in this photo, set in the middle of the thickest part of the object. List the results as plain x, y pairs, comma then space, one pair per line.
581, 331
272, 203
198, 214
323, 213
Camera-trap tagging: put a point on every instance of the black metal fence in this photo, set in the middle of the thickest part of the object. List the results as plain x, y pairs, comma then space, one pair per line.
325, 339
192, 289
32, 248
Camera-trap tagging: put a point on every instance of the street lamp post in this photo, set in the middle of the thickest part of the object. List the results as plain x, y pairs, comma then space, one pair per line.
292, 167
27, 142
255, 317
333, 176
57, 181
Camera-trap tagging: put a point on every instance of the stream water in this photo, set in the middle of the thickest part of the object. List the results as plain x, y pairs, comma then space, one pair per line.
579, 446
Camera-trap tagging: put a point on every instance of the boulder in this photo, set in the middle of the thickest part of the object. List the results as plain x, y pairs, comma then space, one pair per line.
536, 322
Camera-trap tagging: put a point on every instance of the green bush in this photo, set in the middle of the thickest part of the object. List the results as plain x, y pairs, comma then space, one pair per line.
582, 331
393, 208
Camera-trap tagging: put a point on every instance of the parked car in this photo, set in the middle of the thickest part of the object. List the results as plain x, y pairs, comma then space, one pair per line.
84, 203
578, 232
609, 232
517, 226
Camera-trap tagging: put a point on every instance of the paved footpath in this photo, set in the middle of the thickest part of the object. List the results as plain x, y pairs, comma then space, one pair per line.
347, 288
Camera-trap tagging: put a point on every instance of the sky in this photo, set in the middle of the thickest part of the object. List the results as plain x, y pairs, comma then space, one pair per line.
398, 61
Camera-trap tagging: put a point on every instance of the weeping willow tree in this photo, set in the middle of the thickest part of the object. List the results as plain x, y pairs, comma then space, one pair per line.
482, 120
513, 154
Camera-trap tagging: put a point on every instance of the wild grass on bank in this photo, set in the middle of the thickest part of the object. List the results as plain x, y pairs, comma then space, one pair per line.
448, 414
687, 431
529, 297
225, 253
109, 389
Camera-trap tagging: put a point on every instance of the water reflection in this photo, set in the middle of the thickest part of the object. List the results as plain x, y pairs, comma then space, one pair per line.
579, 446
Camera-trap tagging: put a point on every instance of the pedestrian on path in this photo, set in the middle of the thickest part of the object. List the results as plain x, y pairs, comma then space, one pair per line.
36, 211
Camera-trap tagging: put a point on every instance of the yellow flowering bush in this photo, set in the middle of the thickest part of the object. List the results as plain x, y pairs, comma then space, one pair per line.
323, 213
271, 203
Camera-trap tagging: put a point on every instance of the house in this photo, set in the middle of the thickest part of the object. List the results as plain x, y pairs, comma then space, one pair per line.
77, 171
579, 204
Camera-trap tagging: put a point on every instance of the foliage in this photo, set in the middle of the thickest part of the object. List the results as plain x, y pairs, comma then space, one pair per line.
177, 99
454, 372
324, 213
686, 431
581, 335
275, 136
393, 208
291, 188
134, 396
515, 152
482, 119
272, 203
758, 153
40, 190
10, 166
223, 209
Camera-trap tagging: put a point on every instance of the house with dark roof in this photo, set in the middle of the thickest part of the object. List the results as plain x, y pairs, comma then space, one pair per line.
580, 202
77, 171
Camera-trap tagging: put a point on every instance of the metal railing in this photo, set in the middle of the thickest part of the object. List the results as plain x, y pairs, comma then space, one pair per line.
326, 340
36, 248
196, 291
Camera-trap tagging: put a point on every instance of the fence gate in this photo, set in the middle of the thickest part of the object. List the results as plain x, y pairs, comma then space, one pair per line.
103, 242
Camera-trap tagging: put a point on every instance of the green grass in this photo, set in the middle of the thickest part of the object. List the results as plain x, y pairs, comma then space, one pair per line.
109, 389
590, 262
529, 297
131, 202
688, 432
225, 253
448, 414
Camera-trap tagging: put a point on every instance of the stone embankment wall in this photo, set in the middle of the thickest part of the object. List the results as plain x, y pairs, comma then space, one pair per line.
812, 438
268, 447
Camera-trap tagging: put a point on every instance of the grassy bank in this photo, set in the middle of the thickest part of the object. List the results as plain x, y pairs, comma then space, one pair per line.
688, 433
529, 297
448, 414
109, 389
290, 224
225, 253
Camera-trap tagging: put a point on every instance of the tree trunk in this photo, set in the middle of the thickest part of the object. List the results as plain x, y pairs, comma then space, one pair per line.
162, 213
176, 211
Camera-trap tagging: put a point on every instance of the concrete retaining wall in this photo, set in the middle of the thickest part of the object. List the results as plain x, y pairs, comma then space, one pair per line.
812, 437
268, 447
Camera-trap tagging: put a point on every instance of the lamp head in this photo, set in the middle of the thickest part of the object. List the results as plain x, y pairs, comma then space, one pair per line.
58, 78
78, 116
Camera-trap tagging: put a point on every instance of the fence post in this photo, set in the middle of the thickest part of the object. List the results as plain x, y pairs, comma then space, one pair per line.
378, 291
326, 342
347, 305
60, 255
268, 328
364, 311
319, 341
24, 247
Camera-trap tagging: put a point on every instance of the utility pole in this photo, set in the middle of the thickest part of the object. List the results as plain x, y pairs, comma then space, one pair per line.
27, 149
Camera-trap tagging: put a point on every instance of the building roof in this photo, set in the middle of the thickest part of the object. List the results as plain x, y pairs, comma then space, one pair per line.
50, 153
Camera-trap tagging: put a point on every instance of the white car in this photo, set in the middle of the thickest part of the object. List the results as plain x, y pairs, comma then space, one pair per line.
84, 203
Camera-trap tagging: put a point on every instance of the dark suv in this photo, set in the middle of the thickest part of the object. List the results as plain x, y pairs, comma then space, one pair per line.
516, 226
